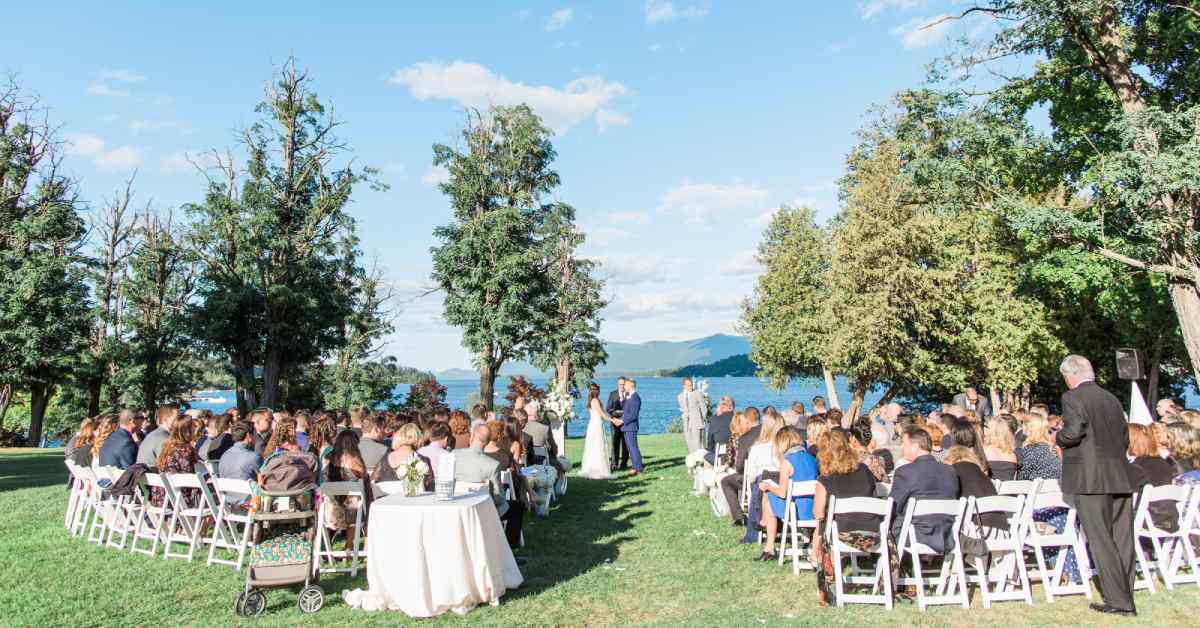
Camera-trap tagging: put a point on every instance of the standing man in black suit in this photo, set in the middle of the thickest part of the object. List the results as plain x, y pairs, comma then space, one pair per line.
620, 453
1095, 471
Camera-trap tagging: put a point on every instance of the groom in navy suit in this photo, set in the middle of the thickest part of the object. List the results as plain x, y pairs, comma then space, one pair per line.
629, 423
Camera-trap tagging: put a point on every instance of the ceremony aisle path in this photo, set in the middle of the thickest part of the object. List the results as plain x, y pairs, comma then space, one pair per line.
631, 551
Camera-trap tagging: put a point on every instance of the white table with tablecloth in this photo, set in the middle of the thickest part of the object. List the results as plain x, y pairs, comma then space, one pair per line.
426, 557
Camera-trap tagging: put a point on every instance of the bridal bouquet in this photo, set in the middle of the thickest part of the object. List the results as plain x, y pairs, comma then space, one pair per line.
412, 474
541, 479
562, 405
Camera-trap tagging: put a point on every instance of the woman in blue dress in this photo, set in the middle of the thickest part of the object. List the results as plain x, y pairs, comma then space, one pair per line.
795, 465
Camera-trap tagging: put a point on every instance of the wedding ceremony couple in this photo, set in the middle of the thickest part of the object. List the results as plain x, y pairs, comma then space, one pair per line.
621, 414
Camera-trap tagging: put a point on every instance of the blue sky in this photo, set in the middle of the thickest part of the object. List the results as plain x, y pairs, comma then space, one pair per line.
680, 124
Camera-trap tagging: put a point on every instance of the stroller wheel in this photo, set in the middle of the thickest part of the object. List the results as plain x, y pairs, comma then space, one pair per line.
312, 598
251, 603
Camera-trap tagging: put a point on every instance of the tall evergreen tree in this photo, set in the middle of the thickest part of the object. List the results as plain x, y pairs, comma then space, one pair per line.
492, 260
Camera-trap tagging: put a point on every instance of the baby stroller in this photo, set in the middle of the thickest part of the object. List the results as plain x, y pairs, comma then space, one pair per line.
286, 557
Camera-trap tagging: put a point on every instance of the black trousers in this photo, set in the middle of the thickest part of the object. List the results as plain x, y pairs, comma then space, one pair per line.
731, 485
1107, 521
620, 452
512, 522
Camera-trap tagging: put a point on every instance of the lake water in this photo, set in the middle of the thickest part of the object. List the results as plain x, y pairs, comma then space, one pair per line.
658, 394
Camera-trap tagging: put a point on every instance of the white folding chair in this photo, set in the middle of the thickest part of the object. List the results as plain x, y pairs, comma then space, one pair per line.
187, 518
1016, 487
1004, 565
154, 521
74, 486
1053, 580
719, 455
1049, 485
324, 551
87, 500
507, 481
1173, 551
104, 508
881, 580
746, 491
792, 525
124, 513
231, 528
950, 585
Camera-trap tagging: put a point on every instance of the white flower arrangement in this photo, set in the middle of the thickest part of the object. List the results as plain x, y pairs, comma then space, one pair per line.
541, 479
694, 460
413, 473
562, 405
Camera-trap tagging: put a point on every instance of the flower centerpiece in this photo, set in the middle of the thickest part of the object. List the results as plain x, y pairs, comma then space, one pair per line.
412, 474
561, 404
694, 460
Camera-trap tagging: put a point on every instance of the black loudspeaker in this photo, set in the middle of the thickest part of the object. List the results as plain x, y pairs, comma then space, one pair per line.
1131, 365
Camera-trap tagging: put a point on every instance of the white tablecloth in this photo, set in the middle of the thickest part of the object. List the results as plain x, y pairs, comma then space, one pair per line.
426, 557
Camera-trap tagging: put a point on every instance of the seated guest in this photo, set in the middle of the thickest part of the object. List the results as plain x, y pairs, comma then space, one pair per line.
795, 465
1039, 457
459, 430
371, 444
439, 434
405, 442
816, 428
922, 478
73, 443
261, 418
499, 445
999, 446
321, 434
472, 465
151, 445
345, 464
118, 449
81, 453
935, 438
1149, 469
218, 440
842, 476
303, 424
860, 442
1184, 441
240, 461
973, 482
178, 455
966, 434
761, 464
540, 436
718, 428
737, 427
731, 485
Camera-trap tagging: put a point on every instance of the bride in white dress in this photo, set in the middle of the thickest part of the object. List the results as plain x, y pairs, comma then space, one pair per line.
595, 464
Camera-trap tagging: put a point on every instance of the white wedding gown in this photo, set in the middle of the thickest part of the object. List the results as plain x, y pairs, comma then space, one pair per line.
595, 450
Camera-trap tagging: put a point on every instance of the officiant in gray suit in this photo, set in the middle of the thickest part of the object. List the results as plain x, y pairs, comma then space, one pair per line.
694, 410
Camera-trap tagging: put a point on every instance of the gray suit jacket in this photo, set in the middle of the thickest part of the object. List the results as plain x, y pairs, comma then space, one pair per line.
983, 405
693, 409
474, 466
540, 433
150, 446
372, 452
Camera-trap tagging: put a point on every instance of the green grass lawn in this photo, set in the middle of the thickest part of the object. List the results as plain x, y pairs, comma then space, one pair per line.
633, 551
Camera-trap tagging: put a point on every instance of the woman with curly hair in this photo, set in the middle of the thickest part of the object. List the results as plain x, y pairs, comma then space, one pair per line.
177, 455
460, 426
81, 454
321, 435
843, 476
105, 426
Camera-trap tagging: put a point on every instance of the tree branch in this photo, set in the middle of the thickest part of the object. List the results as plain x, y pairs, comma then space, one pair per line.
1165, 269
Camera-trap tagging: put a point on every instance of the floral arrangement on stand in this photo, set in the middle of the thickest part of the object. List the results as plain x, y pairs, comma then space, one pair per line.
562, 405
412, 474
542, 479
694, 461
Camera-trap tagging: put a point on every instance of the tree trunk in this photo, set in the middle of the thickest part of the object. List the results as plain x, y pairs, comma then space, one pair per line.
272, 371
150, 387
1186, 300
858, 393
562, 374
39, 398
831, 388
247, 399
1153, 377
94, 385
995, 392
6, 394
487, 384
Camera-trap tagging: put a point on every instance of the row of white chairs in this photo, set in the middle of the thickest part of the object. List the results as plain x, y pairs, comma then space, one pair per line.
1002, 573
136, 520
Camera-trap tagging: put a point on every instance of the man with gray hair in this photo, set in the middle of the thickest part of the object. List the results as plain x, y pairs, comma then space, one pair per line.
1095, 473
694, 410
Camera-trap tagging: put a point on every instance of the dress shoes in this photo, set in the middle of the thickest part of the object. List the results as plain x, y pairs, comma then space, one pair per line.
1111, 610
739, 523
765, 557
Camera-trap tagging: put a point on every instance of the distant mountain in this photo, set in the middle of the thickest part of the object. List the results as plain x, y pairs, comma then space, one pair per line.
733, 366
639, 358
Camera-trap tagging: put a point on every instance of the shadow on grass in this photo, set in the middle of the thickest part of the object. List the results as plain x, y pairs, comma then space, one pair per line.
31, 468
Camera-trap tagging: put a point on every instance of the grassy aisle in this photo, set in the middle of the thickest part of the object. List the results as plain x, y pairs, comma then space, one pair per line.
629, 551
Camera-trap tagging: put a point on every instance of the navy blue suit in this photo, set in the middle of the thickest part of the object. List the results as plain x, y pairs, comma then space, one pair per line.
629, 428
118, 450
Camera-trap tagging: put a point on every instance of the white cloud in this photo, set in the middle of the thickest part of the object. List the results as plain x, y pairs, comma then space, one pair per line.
875, 7
604, 236
922, 32
435, 175
700, 202
640, 218
685, 301
87, 145
636, 269
100, 89
559, 19
606, 119
121, 76
740, 264
473, 85
660, 11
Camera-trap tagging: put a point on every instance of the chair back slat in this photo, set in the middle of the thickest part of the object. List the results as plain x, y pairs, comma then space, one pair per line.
865, 505
343, 488
1016, 487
